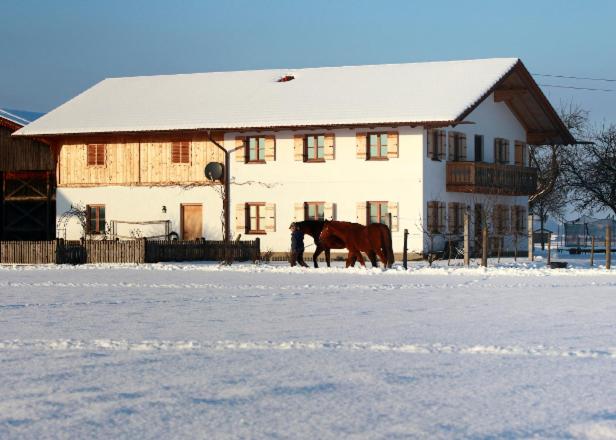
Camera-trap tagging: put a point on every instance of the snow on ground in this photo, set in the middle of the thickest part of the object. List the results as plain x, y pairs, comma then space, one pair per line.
202, 351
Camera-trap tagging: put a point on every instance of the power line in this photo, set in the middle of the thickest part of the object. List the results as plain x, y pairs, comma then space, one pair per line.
577, 88
552, 75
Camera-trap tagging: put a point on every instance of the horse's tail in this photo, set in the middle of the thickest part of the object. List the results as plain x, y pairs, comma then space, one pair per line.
387, 245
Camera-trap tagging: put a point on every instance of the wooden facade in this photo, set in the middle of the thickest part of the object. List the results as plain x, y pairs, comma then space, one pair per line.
27, 187
491, 178
147, 162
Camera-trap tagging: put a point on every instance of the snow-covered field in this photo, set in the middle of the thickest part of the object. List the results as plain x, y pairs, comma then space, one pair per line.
199, 351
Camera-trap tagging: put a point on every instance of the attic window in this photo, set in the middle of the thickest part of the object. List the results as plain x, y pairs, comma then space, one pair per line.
285, 78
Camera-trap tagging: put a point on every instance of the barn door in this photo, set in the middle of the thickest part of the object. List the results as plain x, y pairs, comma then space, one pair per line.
192, 221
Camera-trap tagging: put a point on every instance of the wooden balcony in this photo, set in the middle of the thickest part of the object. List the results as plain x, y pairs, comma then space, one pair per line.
491, 178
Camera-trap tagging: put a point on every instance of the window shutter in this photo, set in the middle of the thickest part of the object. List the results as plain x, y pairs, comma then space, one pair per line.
451, 142
298, 147
393, 210
100, 154
270, 217
299, 212
430, 143
392, 144
240, 217
330, 148
270, 148
463, 150
361, 213
431, 217
329, 211
361, 140
451, 223
519, 153
240, 149
441, 144
441, 217
506, 158
91, 154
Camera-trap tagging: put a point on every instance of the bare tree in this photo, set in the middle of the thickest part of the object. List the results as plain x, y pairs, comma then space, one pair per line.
591, 172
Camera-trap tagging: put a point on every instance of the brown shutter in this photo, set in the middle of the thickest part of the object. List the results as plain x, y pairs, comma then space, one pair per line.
441, 145
299, 212
240, 149
430, 143
361, 213
329, 211
270, 148
361, 145
330, 148
270, 217
451, 217
507, 160
176, 155
519, 154
240, 217
298, 147
91, 150
441, 217
100, 154
431, 223
497, 158
392, 144
463, 150
451, 142
393, 210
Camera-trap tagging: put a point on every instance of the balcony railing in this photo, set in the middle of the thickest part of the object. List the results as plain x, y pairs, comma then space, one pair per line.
491, 178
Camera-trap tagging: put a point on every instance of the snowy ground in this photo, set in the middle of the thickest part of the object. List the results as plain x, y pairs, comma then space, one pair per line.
198, 351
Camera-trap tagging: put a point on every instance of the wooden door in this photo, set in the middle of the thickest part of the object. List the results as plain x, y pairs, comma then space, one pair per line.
192, 221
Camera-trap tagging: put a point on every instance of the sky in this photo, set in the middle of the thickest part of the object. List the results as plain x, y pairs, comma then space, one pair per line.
54, 50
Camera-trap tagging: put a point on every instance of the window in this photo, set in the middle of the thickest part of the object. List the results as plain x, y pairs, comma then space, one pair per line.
478, 148
501, 151
501, 219
378, 212
518, 219
436, 217
255, 149
96, 154
456, 218
436, 144
95, 216
457, 146
180, 152
314, 211
377, 146
255, 213
315, 148
521, 153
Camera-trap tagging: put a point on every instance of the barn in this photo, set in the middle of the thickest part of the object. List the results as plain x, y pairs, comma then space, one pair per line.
27, 181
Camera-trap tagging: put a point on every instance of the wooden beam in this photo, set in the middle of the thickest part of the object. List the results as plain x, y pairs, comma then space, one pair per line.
508, 94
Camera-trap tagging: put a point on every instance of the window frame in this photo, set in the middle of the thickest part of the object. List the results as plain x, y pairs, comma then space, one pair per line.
184, 159
260, 158
96, 207
502, 146
437, 139
379, 146
380, 204
316, 148
260, 214
317, 205
97, 147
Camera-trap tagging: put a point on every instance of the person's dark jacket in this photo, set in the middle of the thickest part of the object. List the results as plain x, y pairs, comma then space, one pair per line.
297, 241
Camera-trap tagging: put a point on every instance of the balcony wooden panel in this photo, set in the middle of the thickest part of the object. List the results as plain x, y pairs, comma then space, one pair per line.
491, 178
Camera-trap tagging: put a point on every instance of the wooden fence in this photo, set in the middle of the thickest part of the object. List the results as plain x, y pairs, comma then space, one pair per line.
130, 251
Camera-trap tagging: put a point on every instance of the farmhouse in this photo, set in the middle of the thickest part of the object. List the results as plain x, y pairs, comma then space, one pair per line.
27, 182
412, 145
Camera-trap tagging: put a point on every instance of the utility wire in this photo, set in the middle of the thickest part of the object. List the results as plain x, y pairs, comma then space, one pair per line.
585, 78
577, 88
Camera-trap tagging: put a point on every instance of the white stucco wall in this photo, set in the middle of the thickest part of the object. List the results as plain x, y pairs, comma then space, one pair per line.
141, 203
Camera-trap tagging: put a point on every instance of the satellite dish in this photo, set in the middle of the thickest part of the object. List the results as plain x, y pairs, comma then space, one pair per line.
214, 171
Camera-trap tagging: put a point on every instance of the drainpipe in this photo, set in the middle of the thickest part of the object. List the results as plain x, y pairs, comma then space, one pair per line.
227, 183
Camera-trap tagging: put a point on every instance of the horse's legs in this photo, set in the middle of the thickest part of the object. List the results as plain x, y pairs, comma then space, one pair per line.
372, 257
360, 257
316, 254
327, 256
382, 257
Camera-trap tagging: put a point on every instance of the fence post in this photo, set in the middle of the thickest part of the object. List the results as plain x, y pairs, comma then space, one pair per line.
59, 250
258, 246
144, 243
405, 249
592, 251
484, 246
467, 241
531, 242
608, 246
549, 248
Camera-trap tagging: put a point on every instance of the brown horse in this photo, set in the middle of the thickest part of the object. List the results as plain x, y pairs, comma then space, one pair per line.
314, 228
374, 239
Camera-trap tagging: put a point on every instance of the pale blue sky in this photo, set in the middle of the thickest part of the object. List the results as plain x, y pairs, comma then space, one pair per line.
53, 50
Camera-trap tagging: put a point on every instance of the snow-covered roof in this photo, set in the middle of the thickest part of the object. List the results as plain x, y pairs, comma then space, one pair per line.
19, 117
391, 93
